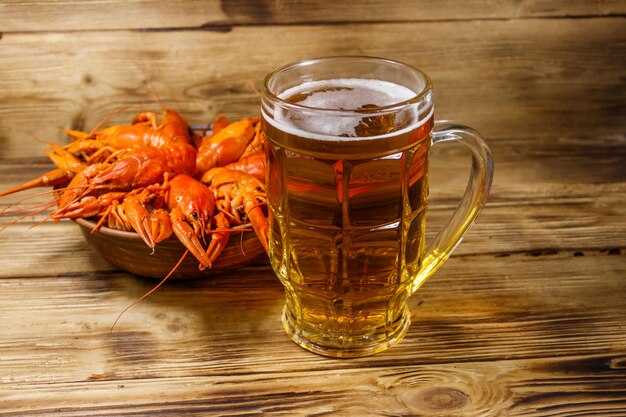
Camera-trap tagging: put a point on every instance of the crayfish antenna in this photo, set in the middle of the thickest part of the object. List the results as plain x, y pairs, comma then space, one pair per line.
156, 287
254, 88
106, 119
21, 200
37, 208
45, 206
149, 84
243, 251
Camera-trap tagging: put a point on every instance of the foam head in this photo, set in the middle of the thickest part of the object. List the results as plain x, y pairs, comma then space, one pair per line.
354, 95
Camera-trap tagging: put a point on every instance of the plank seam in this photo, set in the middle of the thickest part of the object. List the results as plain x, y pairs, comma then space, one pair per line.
536, 252
225, 28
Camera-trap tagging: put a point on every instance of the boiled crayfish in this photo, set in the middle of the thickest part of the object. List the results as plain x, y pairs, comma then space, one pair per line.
152, 177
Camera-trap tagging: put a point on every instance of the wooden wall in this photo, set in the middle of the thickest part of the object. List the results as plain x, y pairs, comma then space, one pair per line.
550, 69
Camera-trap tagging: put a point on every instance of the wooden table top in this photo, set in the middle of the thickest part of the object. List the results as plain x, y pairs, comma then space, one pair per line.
527, 318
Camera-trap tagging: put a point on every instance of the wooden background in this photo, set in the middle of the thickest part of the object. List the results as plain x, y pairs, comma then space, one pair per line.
527, 317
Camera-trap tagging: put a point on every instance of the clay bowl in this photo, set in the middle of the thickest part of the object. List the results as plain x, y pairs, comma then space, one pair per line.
128, 252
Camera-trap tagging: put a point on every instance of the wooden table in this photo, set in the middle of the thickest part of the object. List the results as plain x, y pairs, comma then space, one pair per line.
528, 317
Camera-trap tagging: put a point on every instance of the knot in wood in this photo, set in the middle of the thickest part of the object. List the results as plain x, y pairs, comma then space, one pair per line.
435, 399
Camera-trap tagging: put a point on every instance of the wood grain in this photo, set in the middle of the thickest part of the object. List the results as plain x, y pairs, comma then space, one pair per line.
558, 78
483, 334
38, 15
508, 388
547, 196
526, 318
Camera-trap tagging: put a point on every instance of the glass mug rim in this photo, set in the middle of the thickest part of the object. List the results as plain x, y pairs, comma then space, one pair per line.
419, 97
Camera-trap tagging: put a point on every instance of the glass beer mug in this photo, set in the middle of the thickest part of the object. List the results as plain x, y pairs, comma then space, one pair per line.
347, 190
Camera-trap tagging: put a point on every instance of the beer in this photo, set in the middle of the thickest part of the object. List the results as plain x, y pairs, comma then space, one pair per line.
347, 192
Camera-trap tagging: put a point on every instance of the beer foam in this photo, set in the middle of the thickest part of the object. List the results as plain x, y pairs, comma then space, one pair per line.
350, 93
341, 94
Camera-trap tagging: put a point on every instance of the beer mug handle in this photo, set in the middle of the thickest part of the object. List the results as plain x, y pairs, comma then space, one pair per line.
438, 251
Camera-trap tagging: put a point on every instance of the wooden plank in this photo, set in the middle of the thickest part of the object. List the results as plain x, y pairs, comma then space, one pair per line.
540, 388
566, 194
38, 15
484, 333
558, 78
472, 303
567, 167
533, 228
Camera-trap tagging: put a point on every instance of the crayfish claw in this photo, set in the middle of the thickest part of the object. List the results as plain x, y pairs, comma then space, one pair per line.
219, 236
